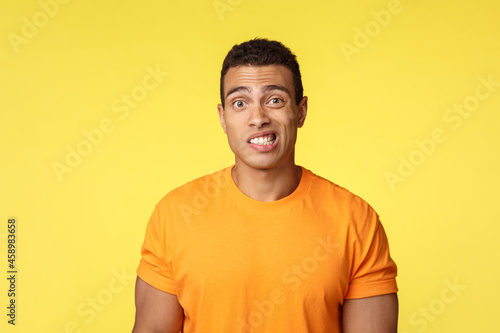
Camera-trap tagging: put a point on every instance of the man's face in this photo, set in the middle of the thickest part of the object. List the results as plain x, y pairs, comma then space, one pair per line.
260, 116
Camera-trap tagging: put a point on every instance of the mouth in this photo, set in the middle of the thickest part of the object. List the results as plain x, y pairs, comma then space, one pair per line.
263, 140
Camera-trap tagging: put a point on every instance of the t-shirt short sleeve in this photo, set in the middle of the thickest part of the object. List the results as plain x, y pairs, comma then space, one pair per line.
155, 267
373, 271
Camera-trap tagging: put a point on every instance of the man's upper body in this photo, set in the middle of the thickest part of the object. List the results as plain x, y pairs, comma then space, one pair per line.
265, 245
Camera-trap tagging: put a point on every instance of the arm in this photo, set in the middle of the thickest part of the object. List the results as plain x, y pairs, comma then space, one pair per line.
377, 314
156, 311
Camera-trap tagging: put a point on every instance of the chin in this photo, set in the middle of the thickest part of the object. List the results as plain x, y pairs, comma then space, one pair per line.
260, 165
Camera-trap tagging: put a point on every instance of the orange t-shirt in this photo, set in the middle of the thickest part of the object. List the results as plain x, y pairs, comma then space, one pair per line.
241, 265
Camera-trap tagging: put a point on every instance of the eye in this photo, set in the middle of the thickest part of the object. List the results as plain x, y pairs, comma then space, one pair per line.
239, 104
275, 100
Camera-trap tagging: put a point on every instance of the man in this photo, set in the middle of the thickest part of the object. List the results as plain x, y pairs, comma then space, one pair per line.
265, 245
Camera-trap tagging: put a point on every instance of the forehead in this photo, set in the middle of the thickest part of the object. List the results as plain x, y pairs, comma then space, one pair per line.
258, 76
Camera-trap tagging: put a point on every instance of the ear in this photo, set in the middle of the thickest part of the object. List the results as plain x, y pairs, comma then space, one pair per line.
220, 108
302, 111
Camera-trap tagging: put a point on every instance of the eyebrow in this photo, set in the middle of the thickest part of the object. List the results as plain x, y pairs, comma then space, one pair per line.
272, 87
267, 88
237, 89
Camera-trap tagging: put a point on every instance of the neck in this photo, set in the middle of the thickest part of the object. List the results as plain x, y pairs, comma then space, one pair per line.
266, 184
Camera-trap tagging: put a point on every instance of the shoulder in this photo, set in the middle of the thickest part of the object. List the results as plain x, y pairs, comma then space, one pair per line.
205, 186
345, 208
329, 192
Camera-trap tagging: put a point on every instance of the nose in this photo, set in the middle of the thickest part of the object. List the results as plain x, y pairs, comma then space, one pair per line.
258, 116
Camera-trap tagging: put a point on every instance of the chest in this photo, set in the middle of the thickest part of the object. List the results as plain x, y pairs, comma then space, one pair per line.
243, 258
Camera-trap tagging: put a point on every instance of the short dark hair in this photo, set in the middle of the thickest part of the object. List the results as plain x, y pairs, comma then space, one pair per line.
262, 52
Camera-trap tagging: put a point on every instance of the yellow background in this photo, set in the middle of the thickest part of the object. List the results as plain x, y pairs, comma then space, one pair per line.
366, 109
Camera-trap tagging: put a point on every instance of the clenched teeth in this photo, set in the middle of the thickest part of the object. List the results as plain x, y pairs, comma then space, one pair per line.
264, 140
